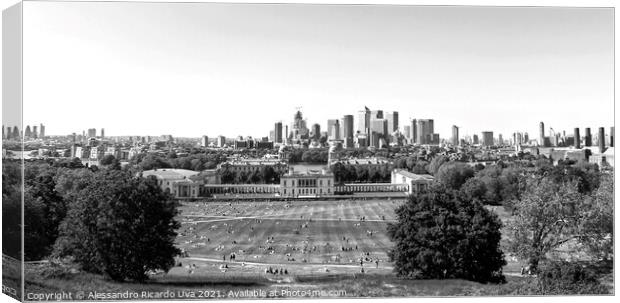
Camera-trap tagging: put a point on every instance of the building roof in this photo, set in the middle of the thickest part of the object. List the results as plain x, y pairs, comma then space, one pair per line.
170, 173
414, 176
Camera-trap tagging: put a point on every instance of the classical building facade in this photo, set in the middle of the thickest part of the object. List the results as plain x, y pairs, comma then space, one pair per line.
307, 183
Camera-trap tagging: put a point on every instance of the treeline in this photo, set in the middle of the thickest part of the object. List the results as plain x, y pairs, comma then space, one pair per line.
348, 173
104, 218
265, 175
196, 162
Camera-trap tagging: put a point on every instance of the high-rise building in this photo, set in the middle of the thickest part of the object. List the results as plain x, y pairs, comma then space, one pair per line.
277, 133
92, 132
425, 127
380, 127
500, 139
347, 130
42, 131
35, 133
27, 132
577, 138
221, 141
487, 138
455, 135
588, 138
414, 131
205, 141
376, 114
316, 131
333, 129
16, 133
363, 123
102, 133
601, 139
407, 132
392, 118
611, 137
541, 136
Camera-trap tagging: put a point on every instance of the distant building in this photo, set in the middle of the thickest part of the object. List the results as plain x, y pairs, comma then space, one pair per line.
577, 138
307, 183
102, 133
487, 138
425, 129
347, 131
333, 129
417, 183
392, 120
278, 132
541, 136
315, 132
455, 135
221, 141
407, 132
42, 132
204, 142
176, 182
475, 140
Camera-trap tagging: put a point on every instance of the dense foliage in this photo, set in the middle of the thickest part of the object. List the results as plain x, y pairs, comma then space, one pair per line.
121, 226
440, 235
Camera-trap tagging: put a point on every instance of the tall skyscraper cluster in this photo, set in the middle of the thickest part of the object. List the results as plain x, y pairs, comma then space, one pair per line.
557, 139
13, 133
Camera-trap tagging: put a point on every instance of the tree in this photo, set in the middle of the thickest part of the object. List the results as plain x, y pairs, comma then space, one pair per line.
597, 224
121, 226
437, 162
545, 218
110, 162
440, 235
454, 174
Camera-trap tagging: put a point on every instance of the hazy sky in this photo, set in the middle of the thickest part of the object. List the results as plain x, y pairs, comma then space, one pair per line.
235, 69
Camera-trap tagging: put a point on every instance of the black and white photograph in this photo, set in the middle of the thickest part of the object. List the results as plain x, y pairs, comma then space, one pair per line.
240, 151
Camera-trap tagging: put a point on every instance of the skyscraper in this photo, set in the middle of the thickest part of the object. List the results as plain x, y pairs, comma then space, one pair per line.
205, 141
611, 137
316, 131
487, 138
363, 123
577, 138
541, 137
42, 131
102, 133
27, 132
425, 129
392, 118
92, 132
333, 129
601, 139
455, 135
347, 130
407, 131
35, 133
588, 138
414, 131
277, 133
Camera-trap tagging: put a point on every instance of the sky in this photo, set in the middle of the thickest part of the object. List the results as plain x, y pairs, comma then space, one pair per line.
193, 69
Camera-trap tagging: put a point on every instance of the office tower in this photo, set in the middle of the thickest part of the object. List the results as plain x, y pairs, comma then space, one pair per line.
102, 133
363, 123
577, 138
42, 131
205, 141
35, 133
376, 114
414, 131
425, 129
27, 132
16, 133
601, 139
588, 138
500, 140
333, 129
277, 133
92, 132
286, 134
221, 141
392, 118
487, 138
380, 127
347, 130
455, 135
407, 131
611, 137
3, 134
316, 131
541, 136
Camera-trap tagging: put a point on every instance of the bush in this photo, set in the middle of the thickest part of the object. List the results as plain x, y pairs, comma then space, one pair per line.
566, 278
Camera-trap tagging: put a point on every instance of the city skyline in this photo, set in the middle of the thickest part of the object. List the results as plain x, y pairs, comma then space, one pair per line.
480, 68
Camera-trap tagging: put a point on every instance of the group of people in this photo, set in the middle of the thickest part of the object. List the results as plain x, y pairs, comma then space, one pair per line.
275, 271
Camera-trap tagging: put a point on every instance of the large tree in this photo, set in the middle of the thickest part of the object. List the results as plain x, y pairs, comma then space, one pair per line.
440, 234
546, 217
121, 226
